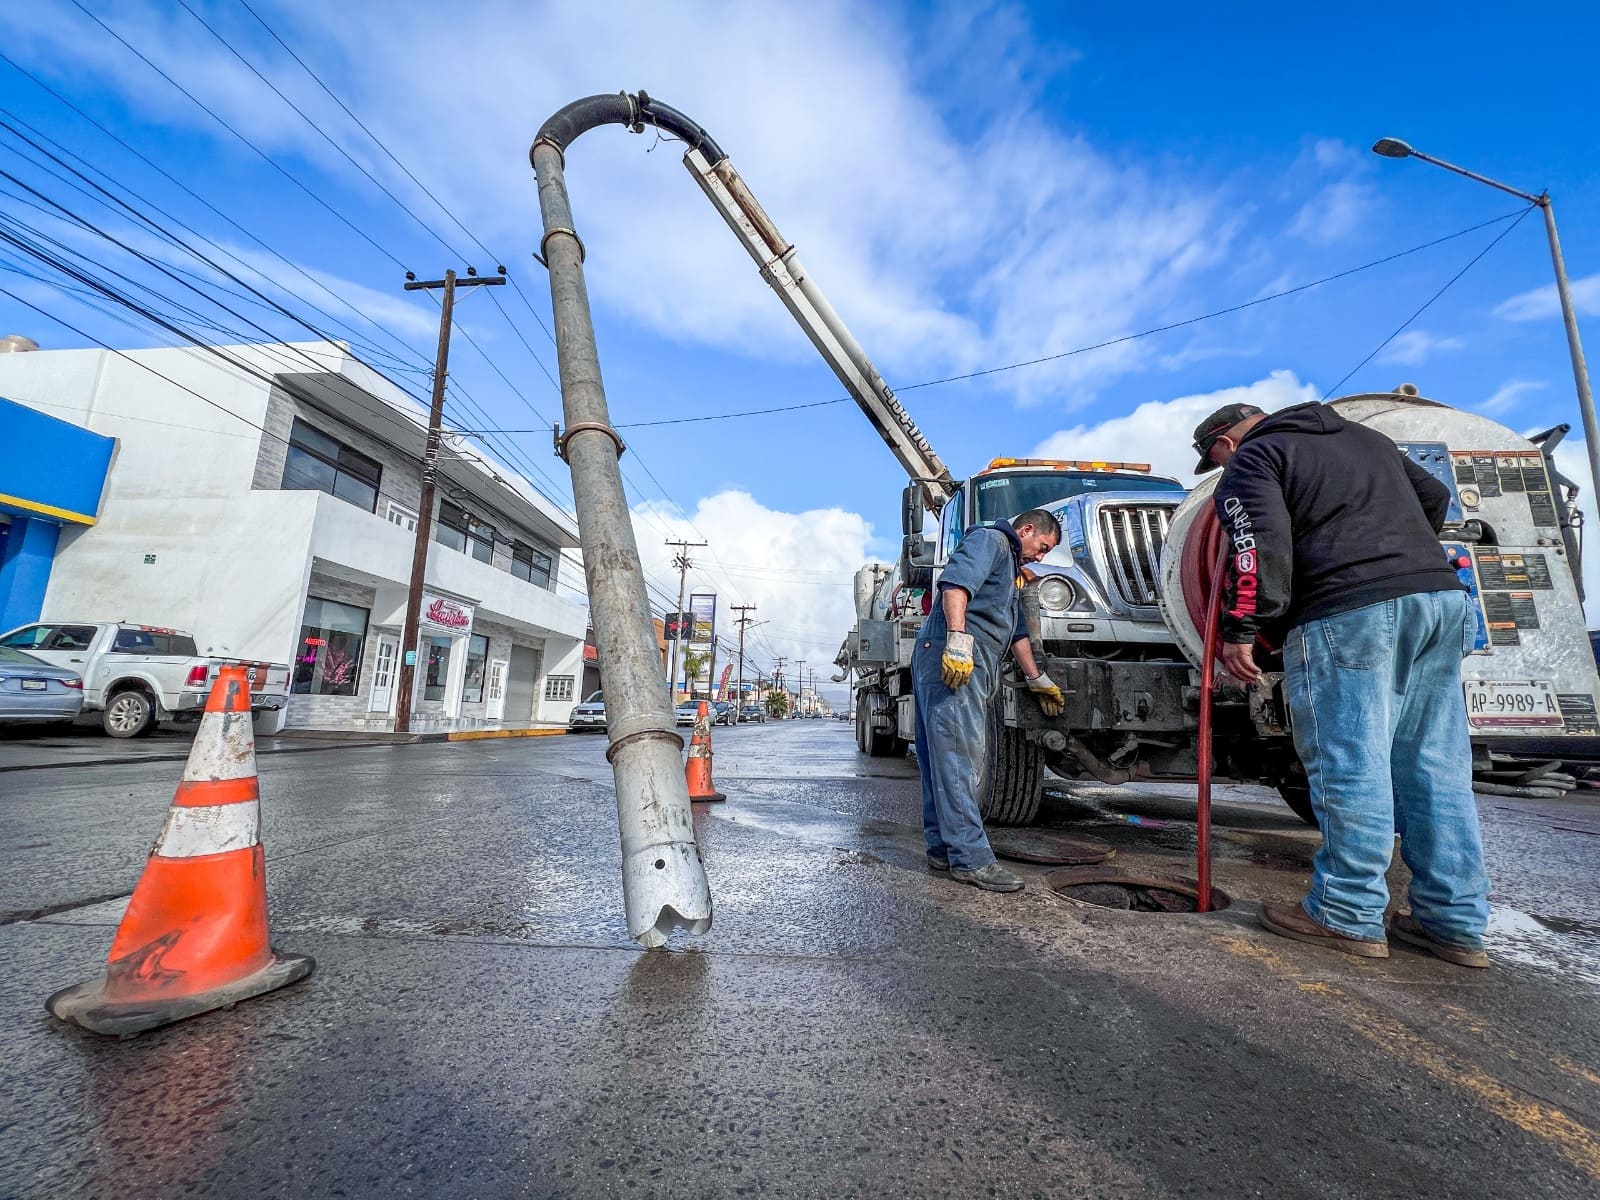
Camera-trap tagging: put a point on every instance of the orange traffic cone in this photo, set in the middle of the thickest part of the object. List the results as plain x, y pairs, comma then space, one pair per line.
195, 935
697, 771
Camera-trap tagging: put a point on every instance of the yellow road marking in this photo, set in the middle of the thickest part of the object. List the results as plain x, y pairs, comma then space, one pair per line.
1560, 1062
1571, 1140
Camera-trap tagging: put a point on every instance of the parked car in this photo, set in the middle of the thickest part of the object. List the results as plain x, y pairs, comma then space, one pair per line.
721, 712
31, 690
137, 676
589, 715
753, 712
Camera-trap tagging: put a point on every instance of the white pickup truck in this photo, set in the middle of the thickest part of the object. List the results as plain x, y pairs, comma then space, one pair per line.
137, 676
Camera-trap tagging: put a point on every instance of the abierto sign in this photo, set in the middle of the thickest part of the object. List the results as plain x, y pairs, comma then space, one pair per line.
441, 612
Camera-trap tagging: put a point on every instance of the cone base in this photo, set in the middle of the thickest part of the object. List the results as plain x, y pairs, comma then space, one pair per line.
85, 1004
706, 796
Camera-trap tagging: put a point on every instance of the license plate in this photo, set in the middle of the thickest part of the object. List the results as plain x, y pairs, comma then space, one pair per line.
34, 685
1521, 705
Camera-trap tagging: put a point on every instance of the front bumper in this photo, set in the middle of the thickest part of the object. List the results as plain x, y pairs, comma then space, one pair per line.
1131, 697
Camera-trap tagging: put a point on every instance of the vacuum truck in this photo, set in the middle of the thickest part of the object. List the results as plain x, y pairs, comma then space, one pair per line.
1113, 612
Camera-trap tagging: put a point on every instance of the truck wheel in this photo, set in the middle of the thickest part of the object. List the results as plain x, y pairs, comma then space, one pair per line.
876, 743
129, 714
1011, 782
1298, 797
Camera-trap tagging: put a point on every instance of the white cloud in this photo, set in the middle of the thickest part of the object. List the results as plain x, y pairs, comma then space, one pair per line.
1506, 396
1416, 346
796, 568
1161, 432
1542, 303
1333, 213
945, 250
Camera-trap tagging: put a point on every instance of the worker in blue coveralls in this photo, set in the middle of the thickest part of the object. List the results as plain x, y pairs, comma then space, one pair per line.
955, 670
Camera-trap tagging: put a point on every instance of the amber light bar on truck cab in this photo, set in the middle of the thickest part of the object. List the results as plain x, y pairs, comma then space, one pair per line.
1060, 464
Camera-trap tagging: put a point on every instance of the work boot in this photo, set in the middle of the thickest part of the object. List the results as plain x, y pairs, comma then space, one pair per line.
938, 864
1292, 921
993, 878
1408, 929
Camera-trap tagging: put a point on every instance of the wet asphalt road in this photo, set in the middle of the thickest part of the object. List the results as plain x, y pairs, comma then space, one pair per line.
480, 1025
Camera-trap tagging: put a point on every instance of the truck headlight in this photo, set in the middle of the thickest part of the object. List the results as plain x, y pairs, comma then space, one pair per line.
1056, 594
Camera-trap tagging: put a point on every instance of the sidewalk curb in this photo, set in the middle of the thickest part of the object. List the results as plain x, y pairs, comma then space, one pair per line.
329, 743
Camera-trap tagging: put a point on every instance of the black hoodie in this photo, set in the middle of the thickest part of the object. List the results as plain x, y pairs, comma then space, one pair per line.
1325, 516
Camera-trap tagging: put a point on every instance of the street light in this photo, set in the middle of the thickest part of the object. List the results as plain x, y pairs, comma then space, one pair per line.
1395, 148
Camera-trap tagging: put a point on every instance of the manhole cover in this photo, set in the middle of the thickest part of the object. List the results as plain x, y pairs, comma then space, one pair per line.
1052, 849
1131, 891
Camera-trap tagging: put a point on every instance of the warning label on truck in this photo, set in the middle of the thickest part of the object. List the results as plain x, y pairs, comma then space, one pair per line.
1500, 571
1577, 710
1507, 613
1478, 468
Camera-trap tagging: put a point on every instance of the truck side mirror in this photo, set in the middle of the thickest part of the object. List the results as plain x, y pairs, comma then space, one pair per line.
916, 561
911, 510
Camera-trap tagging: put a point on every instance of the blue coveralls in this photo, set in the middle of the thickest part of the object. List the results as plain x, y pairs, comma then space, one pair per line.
952, 725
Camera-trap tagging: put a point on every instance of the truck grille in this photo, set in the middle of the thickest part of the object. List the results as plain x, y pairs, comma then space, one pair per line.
1133, 536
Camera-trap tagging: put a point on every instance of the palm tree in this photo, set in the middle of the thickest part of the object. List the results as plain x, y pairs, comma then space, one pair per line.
694, 661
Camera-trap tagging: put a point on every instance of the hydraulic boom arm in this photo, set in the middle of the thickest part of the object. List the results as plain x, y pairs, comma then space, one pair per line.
780, 267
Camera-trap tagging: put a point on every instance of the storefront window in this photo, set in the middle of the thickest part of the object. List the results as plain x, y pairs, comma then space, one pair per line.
329, 659
438, 651
477, 661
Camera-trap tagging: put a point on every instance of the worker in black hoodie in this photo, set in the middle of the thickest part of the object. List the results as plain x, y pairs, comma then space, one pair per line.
1336, 558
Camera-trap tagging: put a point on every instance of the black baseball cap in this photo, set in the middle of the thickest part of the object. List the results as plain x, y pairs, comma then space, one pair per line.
1218, 423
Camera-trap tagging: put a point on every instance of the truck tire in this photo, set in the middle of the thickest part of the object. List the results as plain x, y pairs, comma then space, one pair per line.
861, 724
128, 714
1298, 797
1011, 782
875, 743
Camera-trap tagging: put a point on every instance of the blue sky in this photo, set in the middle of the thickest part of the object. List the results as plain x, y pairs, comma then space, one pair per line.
973, 185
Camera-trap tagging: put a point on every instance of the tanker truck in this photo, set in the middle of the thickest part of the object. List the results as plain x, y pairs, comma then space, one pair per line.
1113, 613
1116, 612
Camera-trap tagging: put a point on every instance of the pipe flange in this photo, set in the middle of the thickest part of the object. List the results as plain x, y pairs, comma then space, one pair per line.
544, 254
561, 439
644, 735
546, 140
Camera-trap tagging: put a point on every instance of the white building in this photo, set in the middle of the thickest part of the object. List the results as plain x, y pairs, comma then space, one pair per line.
276, 521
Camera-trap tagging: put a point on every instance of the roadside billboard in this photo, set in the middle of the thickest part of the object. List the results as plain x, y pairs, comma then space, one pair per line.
703, 608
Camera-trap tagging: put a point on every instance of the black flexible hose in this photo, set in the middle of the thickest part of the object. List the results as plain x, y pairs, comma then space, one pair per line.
632, 111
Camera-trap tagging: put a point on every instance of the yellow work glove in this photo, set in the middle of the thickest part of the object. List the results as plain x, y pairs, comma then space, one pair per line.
955, 667
1047, 694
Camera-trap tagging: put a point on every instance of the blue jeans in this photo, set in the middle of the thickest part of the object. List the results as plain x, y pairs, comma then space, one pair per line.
1375, 697
952, 728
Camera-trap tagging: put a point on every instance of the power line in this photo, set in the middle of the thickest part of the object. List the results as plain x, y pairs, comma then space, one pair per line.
377, 141
1033, 362
1472, 262
203, 202
272, 162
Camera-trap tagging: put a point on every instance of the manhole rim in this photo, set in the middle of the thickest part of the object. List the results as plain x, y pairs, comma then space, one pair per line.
1002, 844
1220, 900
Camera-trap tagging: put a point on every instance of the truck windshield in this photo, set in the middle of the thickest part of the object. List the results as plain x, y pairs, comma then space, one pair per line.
1001, 497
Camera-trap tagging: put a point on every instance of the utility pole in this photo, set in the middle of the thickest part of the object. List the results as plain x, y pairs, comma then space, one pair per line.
777, 676
409, 651
681, 561
743, 620
799, 685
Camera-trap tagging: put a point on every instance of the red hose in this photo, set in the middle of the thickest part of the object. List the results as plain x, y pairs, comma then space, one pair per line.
1203, 752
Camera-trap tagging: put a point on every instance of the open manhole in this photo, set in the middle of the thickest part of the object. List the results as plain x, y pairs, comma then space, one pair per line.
1052, 849
1131, 891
